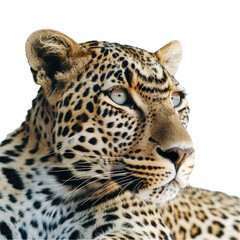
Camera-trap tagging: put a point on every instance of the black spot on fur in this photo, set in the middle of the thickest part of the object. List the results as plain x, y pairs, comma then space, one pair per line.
37, 204
82, 139
30, 161
12, 153
111, 210
5, 230
93, 141
68, 155
95, 77
6, 160
35, 149
13, 220
68, 116
90, 130
78, 87
110, 74
90, 107
29, 194
78, 106
45, 158
57, 201
127, 215
77, 128
102, 229
83, 117
67, 100
5, 142
96, 87
46, 120
110, 124
124, 64
64, 174
65, 131
34, 223
46, 191
23, 233
12, 198
110, 217
102, 77
75, 235
80, 148
13, 178
89, 223
105, 140
86, 92
60, 117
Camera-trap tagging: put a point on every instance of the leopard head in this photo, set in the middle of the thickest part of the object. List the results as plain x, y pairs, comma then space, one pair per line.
120, 116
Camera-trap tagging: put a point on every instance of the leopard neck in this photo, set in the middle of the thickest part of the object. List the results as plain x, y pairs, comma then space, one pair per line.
34, 137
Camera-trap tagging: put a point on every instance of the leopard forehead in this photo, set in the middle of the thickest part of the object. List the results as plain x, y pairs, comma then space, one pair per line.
112, 64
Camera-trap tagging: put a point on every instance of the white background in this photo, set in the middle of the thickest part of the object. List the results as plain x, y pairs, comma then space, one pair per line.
209, 32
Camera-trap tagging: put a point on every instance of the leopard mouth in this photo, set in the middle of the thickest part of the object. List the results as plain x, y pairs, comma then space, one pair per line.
142, 188
128, 180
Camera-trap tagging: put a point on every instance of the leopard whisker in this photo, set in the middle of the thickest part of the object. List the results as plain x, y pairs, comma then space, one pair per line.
104, 187
101, 190
80, 187
122, 190
112, 183
105, 194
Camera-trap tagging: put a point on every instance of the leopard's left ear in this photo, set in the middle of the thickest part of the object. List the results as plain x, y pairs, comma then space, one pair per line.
170, 56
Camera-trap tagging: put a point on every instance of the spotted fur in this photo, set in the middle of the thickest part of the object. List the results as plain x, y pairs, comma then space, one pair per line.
84, 166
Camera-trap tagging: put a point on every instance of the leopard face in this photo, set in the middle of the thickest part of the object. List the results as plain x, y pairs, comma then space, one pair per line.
119, 116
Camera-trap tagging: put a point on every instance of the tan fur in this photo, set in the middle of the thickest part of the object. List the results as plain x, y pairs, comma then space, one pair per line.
170, 56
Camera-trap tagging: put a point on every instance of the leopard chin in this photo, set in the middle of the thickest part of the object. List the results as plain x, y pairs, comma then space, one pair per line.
160, 195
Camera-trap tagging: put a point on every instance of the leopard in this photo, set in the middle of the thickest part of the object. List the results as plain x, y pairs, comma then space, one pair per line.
103, 152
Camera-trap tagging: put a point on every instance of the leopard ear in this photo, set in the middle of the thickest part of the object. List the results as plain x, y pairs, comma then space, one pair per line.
49, 53
170, 56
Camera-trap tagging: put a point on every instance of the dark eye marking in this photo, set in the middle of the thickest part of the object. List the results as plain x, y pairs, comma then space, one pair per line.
128, 75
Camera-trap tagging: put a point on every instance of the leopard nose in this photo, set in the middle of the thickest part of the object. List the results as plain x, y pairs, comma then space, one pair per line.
176, 155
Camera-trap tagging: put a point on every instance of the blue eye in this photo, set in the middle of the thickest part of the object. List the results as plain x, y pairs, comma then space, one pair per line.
176, 99
119, 96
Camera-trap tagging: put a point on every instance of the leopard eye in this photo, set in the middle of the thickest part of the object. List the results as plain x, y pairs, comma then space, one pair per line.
119, 96
176, 99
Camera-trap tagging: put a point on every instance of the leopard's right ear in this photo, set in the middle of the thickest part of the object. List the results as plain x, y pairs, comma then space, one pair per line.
49, 53
170, 56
